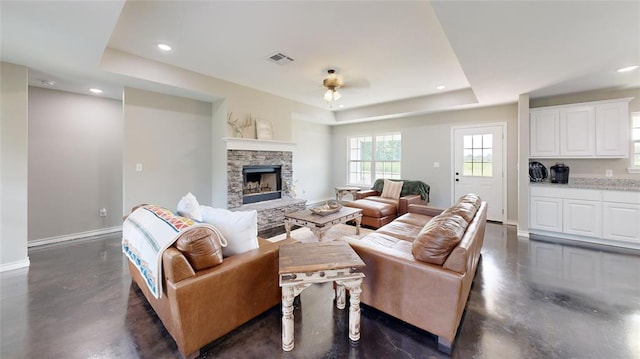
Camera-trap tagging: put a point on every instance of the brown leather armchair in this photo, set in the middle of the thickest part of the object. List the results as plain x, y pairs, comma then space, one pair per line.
378, 211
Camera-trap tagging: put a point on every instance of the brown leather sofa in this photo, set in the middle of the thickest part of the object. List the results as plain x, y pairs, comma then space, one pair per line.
420, 267
378, 211
199, 306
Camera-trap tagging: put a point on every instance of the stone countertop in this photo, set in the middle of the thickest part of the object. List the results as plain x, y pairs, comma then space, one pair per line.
609, 184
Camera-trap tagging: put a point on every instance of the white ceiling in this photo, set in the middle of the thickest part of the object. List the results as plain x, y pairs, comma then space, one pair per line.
391, 52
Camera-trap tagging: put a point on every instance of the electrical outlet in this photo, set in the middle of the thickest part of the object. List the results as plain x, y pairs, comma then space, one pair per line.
436, 164
608, 173
103, 212
138, 167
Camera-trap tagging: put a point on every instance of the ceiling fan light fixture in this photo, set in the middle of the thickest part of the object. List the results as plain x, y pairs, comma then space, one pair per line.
332, 83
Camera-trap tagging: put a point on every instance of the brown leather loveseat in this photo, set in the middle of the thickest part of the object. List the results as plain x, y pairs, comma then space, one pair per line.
420, 266
199, 305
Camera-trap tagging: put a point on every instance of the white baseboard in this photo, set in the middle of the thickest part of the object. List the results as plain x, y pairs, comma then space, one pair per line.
15, 265
524, 234
69, 237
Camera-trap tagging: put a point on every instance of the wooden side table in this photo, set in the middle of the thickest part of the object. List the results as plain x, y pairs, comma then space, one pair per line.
302, 264
341, 191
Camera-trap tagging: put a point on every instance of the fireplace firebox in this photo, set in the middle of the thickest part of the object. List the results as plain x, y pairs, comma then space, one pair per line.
261, 183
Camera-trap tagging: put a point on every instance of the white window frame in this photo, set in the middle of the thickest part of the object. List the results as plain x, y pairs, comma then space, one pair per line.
374, 160
634, 168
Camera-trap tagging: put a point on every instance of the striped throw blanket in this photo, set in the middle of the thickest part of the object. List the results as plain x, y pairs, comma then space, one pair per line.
146, 233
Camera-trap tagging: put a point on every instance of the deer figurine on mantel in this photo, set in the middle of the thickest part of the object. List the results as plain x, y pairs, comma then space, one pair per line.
238, 126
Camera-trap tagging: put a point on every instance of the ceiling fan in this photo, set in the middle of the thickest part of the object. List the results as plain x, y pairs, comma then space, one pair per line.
332, 83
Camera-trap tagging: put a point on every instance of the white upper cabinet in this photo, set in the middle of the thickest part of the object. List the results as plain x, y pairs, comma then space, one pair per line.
545, 133
612, 127
577, 131
585, 130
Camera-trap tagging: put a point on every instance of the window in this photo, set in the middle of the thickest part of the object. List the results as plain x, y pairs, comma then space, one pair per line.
635, 141
373, 157
478, 155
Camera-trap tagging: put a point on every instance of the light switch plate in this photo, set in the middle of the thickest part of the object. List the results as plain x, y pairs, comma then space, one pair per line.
608, 173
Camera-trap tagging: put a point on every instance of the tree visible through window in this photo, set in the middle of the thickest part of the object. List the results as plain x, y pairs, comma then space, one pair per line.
373, 157
478, 155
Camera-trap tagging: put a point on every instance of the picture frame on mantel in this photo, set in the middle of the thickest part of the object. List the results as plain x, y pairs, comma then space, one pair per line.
264, 130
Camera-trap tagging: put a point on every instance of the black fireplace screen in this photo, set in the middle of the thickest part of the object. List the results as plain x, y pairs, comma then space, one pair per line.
261, 183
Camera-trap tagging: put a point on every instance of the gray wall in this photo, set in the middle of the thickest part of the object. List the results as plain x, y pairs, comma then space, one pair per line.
427, 139
13, 166
75, 163
172, 138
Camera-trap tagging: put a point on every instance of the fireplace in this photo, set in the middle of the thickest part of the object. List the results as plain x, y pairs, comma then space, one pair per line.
261, 183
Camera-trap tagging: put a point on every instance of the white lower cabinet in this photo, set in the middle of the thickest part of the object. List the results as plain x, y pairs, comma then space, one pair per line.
546, 213
621, 216
613, 217
582, 217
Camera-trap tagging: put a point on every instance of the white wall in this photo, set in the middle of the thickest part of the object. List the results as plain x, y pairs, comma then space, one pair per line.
312, 161
427, 139
13, 166
75, 163
171, 138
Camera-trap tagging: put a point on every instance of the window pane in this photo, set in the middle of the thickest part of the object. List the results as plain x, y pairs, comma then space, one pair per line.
635, 134
467, 155
466, 141
487, 141
477, 169
477, 141
487, 169
477, 155
487, 155
467, 169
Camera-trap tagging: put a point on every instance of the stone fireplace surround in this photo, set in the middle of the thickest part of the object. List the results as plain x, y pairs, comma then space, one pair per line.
270, 213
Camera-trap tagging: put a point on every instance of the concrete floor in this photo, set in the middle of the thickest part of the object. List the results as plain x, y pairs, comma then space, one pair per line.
530, 299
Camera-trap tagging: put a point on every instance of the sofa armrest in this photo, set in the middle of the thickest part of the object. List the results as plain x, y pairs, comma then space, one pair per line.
176, 266
365, 193
404, 202
424, 210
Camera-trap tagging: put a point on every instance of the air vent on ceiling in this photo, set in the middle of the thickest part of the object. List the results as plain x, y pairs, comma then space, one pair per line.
280, 58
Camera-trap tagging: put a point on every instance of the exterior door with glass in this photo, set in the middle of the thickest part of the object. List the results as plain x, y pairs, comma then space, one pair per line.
478, 166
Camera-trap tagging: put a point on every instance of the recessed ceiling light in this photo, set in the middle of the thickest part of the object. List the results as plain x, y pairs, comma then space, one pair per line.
340, 106
164, 47
628, 68
440, 87
94, 90
47, 82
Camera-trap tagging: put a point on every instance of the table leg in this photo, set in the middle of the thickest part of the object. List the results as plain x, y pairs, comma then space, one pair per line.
319, 232
289, 293
340, 296
358, 221
355, 288
287, 227
287, 318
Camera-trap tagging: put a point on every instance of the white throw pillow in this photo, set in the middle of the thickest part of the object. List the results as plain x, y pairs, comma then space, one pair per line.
239, 228
391, 189
189, 207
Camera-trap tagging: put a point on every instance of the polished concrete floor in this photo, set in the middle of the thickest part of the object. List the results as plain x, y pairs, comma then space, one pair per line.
530, 299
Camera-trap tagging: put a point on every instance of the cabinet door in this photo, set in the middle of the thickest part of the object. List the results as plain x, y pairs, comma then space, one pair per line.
546, 213
577, 131
544, 133
582, 217
612, 130
621, 221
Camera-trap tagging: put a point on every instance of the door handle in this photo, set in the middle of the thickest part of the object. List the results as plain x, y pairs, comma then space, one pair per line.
457, 179
457, 173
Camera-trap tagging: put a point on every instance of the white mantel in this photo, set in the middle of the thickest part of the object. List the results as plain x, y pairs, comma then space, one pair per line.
251, 144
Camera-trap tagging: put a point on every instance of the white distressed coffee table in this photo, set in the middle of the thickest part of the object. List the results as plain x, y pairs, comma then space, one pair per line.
302, 264
319, 224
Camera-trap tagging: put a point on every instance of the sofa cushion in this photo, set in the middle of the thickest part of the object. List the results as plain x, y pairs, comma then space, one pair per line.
201, 247
391, 189
374, 207
239, 228
400, 230
189, 207
465, 210
472, 198
414, 219
437, 238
